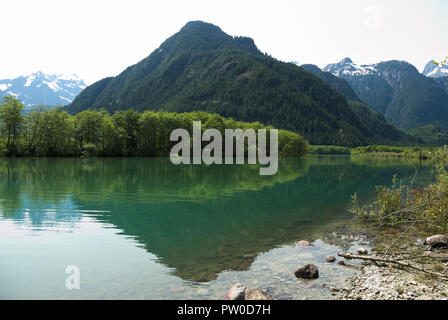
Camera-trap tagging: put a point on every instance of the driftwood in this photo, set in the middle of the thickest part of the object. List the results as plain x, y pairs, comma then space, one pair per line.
392, 261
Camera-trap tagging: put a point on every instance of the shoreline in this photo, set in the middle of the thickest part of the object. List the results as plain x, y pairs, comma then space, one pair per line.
391, 283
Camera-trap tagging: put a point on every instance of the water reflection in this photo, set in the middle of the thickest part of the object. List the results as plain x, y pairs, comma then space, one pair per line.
199, 221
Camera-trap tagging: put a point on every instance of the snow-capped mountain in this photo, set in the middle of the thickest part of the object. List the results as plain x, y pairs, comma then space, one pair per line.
346, 67
398, 90
438, 72
435, 71
43, 89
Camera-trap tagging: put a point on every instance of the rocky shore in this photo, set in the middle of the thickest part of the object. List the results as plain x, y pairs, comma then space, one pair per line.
374, 273
388, 281
391, 283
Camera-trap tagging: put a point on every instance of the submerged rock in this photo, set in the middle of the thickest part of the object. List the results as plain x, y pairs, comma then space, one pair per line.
334, 289
305, 243
331, 259
437, 241
236, 292
257, 294
307, 271
363, 251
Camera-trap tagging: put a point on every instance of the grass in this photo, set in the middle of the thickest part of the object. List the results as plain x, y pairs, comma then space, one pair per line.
329, 150
394, 152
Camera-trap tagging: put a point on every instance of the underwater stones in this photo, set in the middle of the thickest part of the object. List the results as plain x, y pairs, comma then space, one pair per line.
331, 259
334, 289
257, 294
236, 292
240, 292
363, 251
305, 243
307, 271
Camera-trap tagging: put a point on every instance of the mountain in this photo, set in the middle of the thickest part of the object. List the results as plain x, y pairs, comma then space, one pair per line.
434, 70
431, 135
374, 121
439, 72
203, 68
396, 89
339, 84
43, 89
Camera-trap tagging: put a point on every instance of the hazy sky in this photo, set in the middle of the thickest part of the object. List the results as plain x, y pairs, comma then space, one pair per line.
95, 39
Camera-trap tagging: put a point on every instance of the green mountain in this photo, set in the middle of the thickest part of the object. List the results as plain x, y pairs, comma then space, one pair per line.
443, 83
374, 121
202, 68
396, 89
431, 135
339, 84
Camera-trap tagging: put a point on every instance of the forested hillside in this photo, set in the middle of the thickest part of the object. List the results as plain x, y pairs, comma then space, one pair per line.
202, 68
374, 121
407, 98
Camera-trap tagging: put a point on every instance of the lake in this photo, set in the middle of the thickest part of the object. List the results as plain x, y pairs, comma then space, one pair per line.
141, 228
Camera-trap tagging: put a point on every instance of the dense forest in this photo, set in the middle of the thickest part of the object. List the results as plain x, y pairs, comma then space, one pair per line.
54, 132
375, 122
203, 68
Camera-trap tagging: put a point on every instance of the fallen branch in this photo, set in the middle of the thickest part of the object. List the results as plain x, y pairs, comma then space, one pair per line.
392, 261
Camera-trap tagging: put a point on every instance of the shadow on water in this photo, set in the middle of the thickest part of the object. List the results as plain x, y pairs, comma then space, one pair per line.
198, 220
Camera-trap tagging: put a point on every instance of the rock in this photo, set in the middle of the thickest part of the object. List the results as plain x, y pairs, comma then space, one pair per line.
305, 243
236, 292
334, 289
331, 259
257, 294
363, 251
342, 263
307, 271
436, 241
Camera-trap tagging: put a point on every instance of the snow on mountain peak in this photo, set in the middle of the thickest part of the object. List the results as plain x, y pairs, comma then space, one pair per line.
346, 67
435, 70
43, 88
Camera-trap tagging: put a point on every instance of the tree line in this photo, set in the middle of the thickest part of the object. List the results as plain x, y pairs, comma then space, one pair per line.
52, 132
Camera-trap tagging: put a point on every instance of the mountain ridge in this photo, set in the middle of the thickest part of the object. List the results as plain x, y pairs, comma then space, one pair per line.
202, 68
40, 88
407, 98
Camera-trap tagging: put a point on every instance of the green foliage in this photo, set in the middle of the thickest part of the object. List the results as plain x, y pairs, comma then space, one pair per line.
202, 68
399, 204
431, 135
341, 85
392, 151
89, 133
377, 149
444, 61
329, 150
11, 120
379, 95
418, 102
377, 125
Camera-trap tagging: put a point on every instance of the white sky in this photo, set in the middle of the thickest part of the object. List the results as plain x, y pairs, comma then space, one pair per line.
95, 39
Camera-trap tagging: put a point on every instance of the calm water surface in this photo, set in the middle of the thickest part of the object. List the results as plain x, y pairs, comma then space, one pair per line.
146, 229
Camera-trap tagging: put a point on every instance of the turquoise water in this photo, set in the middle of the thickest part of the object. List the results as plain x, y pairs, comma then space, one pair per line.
146, 229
